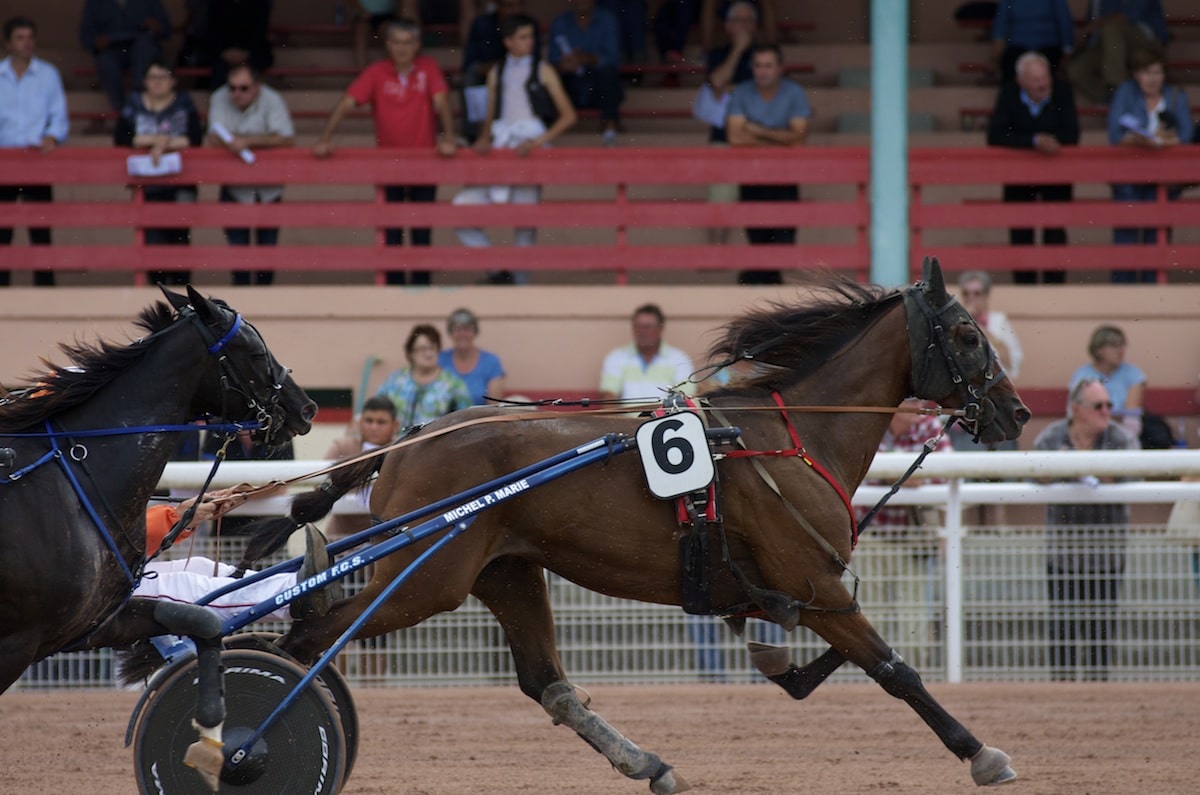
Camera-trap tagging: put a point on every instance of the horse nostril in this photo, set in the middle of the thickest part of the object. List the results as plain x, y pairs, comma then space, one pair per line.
309, 412
1022, 415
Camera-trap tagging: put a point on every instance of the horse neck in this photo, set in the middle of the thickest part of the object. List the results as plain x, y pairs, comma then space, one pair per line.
156, 389
871, 370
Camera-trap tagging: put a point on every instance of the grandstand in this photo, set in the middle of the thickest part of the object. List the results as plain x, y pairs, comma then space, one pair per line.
827, 49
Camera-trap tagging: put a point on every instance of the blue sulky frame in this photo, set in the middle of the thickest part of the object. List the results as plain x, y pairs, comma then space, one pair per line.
454, 515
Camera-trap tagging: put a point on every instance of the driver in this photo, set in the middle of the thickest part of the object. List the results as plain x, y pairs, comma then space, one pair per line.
192, 578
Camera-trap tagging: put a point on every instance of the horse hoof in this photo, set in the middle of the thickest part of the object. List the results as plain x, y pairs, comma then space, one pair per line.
669, 783
990, 767
769, 660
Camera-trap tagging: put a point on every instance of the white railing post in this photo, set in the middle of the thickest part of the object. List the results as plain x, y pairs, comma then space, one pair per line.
954, 582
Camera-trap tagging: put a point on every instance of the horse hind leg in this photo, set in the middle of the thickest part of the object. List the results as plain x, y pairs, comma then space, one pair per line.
774, 663
515, 592
851, 636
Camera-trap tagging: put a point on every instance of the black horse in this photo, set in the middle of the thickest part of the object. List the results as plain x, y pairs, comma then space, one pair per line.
72, 503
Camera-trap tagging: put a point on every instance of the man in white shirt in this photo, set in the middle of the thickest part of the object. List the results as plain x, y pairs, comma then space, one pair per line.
644, 369
245, 115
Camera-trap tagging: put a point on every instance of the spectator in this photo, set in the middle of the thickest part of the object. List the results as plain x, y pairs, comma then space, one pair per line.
1085, 544
1149, 114
251, 116
243, 447
161, 119
408, 97
377, 427
585, 48
423, 391
1124, 382
900, 577
369, 17
714, 11
1044, 26
631, 19
975, 289
769, 111
123, 35
1114, 31
527, 109
647, 367
727, 66
485, 50
33, 115
480, 370
238, 34
1037, 112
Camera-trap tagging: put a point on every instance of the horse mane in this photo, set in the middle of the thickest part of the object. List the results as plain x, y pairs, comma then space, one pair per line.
92, 365
798, 338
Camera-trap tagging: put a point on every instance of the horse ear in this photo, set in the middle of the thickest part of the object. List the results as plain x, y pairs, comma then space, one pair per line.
204, 308
175, 299
935, 284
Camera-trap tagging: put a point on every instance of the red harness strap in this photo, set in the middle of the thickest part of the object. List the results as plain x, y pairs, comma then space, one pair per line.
803, 455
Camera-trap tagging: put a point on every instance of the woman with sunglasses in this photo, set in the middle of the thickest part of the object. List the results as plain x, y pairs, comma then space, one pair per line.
1125, 383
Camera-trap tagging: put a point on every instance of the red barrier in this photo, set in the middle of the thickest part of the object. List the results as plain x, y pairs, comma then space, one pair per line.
633, 189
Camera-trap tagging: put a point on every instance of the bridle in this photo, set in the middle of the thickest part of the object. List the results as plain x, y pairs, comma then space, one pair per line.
978, 410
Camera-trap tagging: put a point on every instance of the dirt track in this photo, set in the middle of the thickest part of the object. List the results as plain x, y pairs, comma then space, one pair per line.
1064, 738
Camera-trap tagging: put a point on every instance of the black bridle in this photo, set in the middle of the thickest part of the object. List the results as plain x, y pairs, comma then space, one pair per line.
978, 410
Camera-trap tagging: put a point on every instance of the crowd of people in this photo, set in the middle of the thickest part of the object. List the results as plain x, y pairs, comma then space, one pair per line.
521, 93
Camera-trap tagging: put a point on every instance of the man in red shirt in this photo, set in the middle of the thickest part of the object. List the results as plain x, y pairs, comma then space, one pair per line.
408, 97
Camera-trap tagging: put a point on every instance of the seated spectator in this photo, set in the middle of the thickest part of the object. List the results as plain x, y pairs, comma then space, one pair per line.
647, 367
527, 109
237, 34
123, 35
974, 290
484, 50
1115, 30
33, 116
377, 426
585, 48
1126, 383
161, 119
1146, 113
245, 115
1036, 112
424, 391
771, 110
480, 370
717, 11
1044, 26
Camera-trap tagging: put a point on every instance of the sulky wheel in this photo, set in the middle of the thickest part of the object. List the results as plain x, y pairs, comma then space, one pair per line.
302, 751
331, 679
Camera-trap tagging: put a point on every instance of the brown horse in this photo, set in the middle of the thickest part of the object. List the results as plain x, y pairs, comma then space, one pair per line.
788, 530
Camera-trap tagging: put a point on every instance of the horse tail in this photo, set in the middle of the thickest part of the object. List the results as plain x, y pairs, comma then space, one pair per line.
267, 535
137, 662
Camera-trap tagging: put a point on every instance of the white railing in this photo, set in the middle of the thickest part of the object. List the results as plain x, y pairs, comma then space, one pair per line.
982, 587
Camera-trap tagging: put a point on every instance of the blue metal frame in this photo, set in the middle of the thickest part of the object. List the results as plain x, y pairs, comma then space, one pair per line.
453, 516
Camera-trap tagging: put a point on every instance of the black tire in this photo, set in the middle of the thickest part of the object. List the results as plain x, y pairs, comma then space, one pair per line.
336, 687
302, 751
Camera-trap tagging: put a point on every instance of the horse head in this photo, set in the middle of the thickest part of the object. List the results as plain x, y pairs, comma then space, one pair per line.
250, 384
954, 364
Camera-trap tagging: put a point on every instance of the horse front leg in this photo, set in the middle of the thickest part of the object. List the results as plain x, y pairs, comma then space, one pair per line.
774, 662
515, 592
851, 636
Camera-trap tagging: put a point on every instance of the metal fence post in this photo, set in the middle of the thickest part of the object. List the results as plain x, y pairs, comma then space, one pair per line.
954, 589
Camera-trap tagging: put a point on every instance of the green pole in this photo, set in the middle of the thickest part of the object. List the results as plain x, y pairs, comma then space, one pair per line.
889, 142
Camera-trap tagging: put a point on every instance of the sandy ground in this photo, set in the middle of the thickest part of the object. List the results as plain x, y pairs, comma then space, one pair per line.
846, 738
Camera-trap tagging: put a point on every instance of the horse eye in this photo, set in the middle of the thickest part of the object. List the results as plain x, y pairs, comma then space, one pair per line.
971, 339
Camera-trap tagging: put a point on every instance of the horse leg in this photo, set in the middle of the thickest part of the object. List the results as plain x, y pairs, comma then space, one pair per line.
851, 636
17, 652
515, 591
774, 663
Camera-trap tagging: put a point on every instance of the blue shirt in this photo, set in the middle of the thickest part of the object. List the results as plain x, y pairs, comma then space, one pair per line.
487, 368
790, 102
1117, 384
1034, 24
33, 107
600, 38
1128, 99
